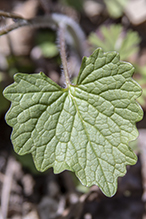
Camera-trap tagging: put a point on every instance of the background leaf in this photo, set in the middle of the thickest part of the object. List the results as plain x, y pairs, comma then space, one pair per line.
84, 128
114, 38
115, 7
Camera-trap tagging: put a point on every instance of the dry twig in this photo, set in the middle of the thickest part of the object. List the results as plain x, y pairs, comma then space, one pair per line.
6, 189
10, 15
142, 146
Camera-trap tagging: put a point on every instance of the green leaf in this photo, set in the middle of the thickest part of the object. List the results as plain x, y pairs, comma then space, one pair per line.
84, 128
114, 37
49, 49
115, 7
45, 40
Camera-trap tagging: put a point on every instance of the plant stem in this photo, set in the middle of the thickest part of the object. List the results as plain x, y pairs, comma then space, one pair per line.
10, 15
49, 21
63, 52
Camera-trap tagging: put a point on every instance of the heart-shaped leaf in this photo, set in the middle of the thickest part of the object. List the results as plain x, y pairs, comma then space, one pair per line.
84, 128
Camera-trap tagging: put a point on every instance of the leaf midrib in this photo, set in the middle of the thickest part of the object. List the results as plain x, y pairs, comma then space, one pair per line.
82, 121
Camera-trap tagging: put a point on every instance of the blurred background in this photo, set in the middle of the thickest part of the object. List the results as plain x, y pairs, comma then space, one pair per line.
112, 25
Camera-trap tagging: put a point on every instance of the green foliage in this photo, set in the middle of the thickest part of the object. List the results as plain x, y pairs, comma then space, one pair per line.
115, 7
84, 128
113, 38
49, 49
46, 42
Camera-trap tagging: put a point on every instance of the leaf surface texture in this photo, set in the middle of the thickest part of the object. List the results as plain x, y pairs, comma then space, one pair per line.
84, 128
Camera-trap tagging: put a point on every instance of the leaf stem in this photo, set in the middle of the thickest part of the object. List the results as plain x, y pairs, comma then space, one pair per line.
49, 21
61, 36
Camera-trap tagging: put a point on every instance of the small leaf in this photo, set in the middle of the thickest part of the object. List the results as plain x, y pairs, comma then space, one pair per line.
114, 37
115, 7
84, 128
49, 49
